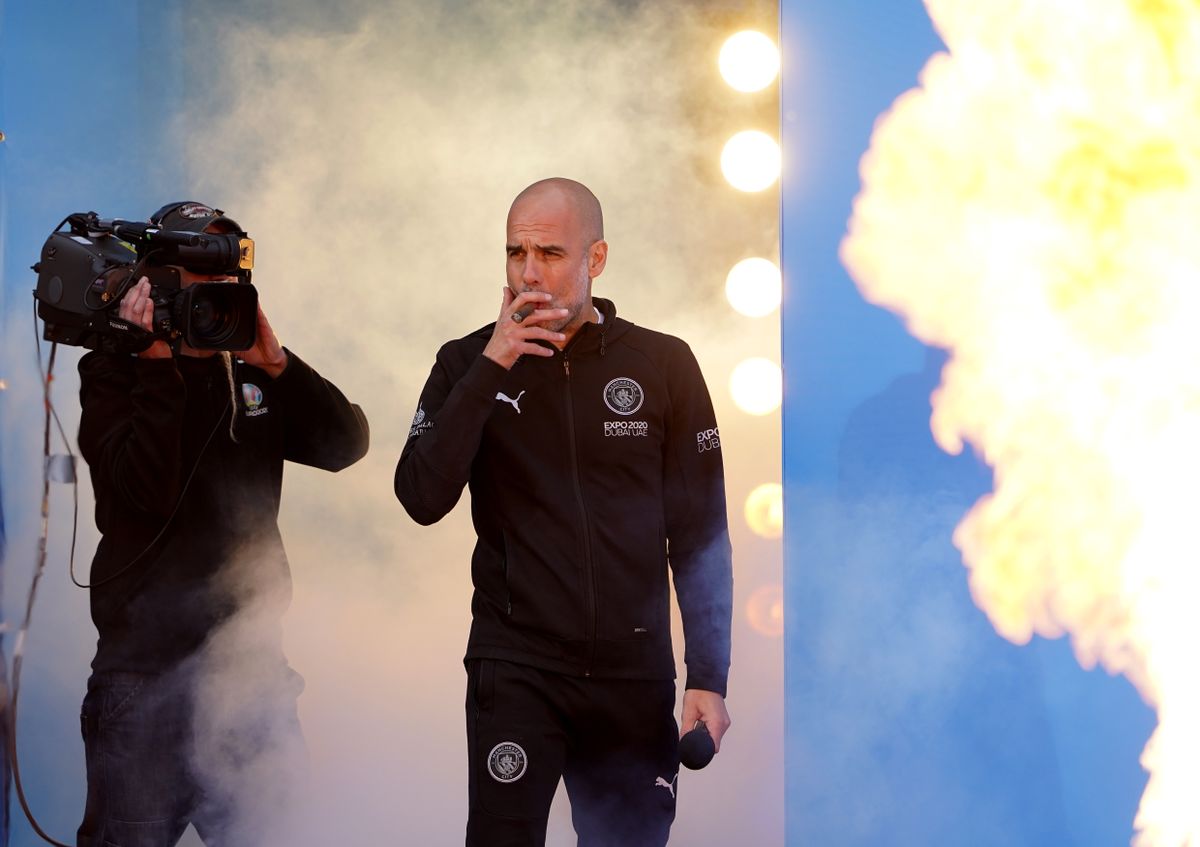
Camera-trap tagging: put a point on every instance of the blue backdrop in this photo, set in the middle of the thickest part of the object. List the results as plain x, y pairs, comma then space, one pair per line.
909, 721
86, 93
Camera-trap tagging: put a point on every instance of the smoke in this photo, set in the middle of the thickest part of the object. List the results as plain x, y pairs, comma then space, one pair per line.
372, 152
1031, 209
247, 742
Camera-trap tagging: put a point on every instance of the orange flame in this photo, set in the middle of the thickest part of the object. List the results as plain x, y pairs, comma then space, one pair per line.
1034, 207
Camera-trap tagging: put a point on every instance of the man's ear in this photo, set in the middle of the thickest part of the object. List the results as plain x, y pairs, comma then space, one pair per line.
597, 258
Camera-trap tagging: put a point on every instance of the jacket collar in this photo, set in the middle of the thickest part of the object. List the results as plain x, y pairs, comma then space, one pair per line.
593, 336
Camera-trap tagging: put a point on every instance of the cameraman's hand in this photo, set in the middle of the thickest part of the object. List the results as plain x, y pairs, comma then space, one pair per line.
266, 354
137, 308
511, 339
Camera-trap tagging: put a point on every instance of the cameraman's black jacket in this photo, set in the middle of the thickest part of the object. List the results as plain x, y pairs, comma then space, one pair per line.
588, 471
144, 423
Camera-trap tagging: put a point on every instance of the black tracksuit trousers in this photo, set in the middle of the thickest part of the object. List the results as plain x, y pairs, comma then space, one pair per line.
614, 742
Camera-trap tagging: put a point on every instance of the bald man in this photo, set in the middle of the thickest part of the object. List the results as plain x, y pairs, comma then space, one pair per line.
594, 462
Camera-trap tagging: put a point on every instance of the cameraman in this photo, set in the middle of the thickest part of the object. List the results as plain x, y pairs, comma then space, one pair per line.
191, 703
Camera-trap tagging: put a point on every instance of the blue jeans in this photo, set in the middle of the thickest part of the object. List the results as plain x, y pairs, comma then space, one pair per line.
150, 748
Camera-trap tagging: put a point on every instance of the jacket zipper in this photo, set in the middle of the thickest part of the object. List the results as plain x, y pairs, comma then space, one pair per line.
589, 571
507, 589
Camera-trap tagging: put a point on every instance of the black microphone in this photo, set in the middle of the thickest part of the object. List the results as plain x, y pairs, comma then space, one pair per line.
696, 748
135, 231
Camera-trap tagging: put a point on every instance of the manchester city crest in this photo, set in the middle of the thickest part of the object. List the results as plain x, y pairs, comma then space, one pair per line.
507, 762
623, 396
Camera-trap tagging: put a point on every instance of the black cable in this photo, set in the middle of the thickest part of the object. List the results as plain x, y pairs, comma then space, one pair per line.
13, 761
47, 376
51, 411
174, 512
122, 289
39, 569
75, 479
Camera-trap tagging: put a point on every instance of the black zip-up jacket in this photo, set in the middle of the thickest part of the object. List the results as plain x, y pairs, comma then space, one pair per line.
144, 422
589, 471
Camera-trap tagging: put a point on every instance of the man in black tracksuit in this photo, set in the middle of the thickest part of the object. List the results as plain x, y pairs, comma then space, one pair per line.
593, 458
190, 712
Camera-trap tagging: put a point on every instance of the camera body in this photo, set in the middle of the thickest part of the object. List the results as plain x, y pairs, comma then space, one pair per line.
85, 270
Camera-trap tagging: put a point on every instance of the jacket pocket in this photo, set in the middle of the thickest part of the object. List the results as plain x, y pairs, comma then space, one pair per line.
633, 599
481, 683
544, 586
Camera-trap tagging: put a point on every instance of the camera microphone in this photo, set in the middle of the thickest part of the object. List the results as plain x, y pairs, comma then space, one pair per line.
135, 231
696, 748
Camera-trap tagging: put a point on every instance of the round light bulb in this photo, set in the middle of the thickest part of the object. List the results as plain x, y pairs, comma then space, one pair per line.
757, 386
749, 61
764, 610
754, 287
751, 160
764, 510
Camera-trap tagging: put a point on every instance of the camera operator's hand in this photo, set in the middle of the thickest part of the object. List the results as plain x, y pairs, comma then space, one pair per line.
513, 339
137, 308
266, 354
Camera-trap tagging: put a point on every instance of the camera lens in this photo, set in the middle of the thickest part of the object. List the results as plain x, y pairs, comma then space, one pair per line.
221, 316
209, 319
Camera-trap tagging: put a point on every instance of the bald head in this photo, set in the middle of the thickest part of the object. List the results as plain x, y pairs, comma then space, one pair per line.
555, 245
582, 203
